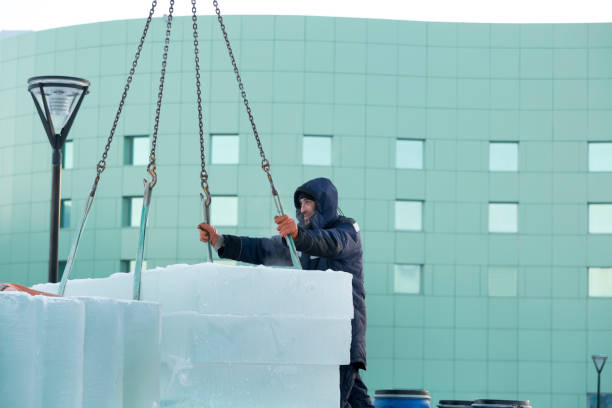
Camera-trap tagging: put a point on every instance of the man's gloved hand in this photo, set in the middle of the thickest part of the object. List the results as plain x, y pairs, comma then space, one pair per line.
208, 232
286, 226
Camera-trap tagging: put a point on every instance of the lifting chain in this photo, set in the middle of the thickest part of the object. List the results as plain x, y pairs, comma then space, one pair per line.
205, 198
102, 163
203, 172
152, 165
265, 164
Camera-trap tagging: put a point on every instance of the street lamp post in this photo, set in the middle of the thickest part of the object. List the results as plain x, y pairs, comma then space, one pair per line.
599, 361
57, 100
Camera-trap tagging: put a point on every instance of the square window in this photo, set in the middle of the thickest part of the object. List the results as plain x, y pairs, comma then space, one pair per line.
407, 279
503, 156
317, 150
68, 155
409, 215
129, 265
224, 210
225, 149
132, 211
136, 151
600, 218
503, 281
600, 282
503, 217
409, 154
600, 156
65, 210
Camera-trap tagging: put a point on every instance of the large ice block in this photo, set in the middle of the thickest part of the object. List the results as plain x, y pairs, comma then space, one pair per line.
61, 324
78, 352
141, 354
19, 338
103, 349
266, 339
249, 385
224, 289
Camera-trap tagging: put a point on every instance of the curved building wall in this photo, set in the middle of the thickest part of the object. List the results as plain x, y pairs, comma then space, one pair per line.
505, 315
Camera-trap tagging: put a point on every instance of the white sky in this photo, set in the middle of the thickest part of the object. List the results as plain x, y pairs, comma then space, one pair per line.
43, 14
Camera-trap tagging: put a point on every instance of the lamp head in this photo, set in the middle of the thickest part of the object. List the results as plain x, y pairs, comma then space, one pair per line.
599, 360
57, 99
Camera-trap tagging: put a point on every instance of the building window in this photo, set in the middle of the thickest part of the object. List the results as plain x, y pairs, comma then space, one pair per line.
503, 156
408, 215
600, 156
129, 265
600, 282
503, 281
136, 151
316, 150
224, 210
65, 210
503, 217
132, 211
225, 149
409, 154
407, 279
68, 155
600, 218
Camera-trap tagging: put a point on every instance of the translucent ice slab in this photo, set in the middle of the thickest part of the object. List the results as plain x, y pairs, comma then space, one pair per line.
78, 352
246, 339
249, 386
223, 289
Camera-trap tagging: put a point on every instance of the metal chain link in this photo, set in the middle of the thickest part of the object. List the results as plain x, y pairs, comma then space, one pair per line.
203, 172
265, 164
152, 166
102, 163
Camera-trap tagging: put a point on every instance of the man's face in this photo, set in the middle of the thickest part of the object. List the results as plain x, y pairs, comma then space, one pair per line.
307, 208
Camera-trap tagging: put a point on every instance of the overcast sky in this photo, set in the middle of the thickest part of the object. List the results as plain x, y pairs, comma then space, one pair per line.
43, 14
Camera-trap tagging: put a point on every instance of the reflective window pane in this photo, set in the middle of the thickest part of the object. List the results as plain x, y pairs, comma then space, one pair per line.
409, 154
65, 212
135, 211
503, 281
600, 218
503, 217
503, 156
68, 155
136, 150
600, 156
600, 282
140, 151
224, 210
225, 149
407, 279
317, 150
408, 215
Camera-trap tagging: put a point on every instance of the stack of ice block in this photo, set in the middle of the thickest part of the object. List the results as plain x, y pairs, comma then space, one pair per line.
239, 336
79, 352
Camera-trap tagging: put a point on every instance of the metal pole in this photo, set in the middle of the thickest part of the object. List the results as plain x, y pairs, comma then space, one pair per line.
56, 181
598, 384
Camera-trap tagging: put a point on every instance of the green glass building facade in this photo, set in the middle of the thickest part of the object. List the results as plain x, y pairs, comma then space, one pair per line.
473, 156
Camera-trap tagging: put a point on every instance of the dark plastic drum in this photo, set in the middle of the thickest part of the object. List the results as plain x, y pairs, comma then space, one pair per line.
486, 403
401, 399
454, 404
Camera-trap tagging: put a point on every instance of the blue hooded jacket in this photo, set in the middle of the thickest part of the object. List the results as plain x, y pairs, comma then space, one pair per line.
329, 241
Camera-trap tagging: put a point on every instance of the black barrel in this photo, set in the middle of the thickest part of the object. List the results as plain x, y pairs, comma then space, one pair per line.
490, 403
454, 404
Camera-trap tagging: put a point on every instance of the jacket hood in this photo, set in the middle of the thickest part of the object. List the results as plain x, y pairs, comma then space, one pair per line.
326, 201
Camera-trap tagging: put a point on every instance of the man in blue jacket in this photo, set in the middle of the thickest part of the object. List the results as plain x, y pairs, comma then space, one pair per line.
326, 240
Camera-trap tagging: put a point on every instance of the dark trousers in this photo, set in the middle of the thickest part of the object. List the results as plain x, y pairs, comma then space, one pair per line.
353, 392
